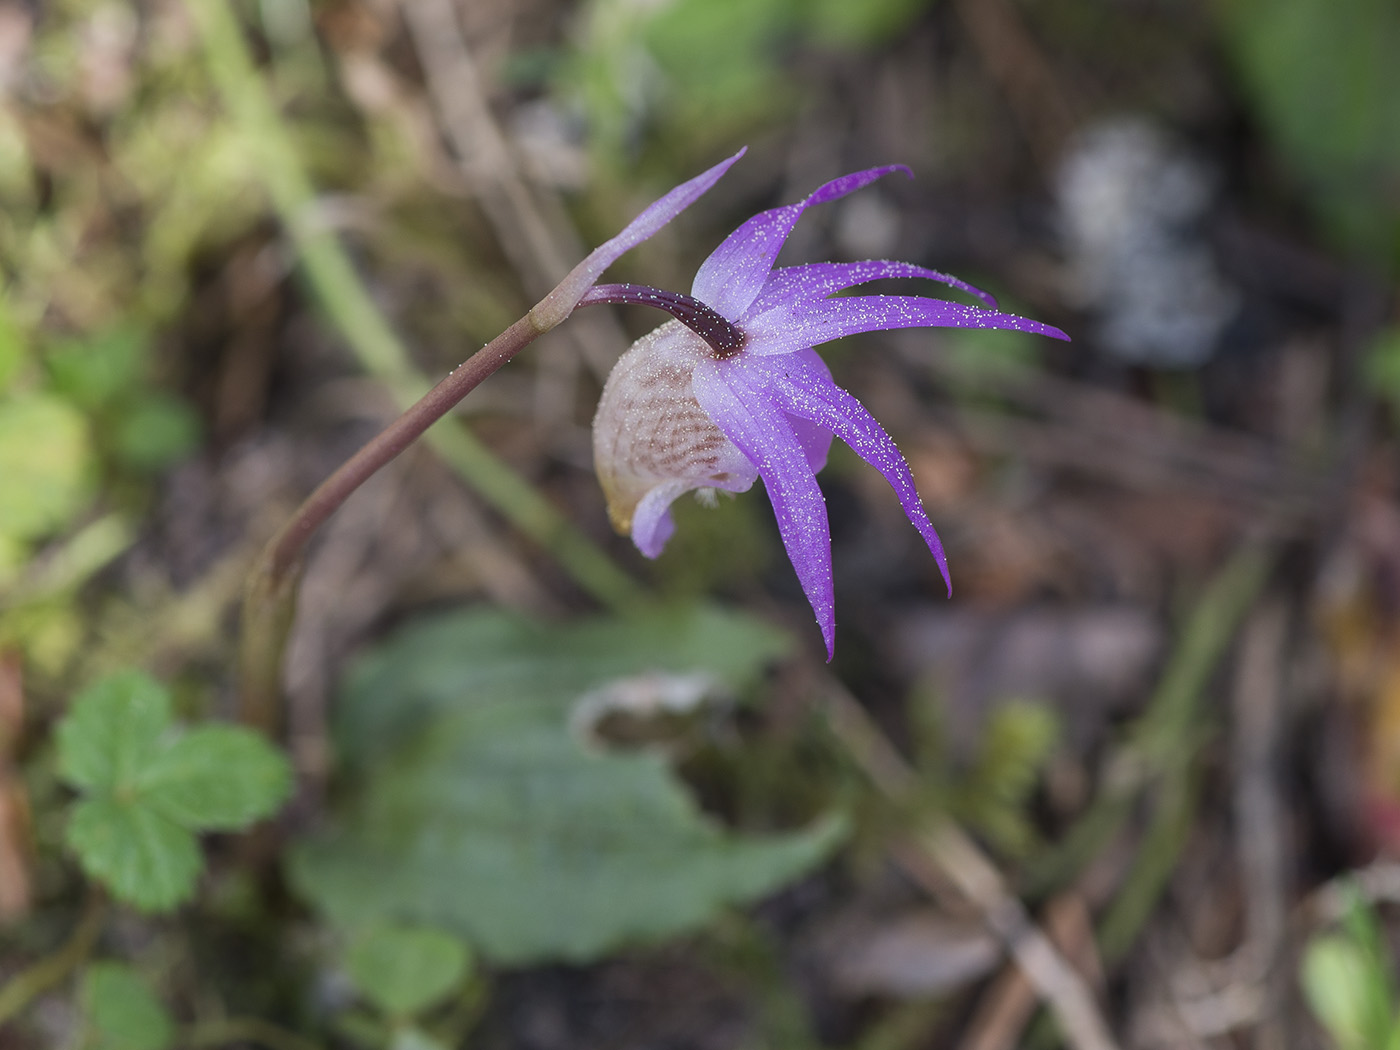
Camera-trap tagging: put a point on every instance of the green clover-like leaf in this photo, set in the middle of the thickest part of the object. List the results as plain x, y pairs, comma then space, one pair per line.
144, 858
216, 778
405, 969
113, 731
150, 789
123, 1012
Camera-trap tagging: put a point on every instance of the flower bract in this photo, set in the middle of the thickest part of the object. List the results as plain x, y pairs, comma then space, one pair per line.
731, 390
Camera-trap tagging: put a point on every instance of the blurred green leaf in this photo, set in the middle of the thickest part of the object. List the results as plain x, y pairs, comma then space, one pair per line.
505, 828
44, 465
403, 970
1382, 366
1325, 80
489, 818
415, 1039
981, 352
1336, 982
216, 778
99, 368
120, 1007
12, 347
143, 858
1014, 747
439, 664
155, 431
843, 24
719, 55
113, 731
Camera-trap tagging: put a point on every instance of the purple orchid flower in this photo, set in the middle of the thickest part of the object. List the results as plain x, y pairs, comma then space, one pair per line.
732, 390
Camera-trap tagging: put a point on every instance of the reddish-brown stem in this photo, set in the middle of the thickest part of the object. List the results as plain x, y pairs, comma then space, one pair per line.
270, 602
284, 550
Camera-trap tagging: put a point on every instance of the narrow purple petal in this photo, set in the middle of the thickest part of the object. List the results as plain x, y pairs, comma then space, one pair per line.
784, 329
558, 303
802, 385
818, 280
734, 273
763, 433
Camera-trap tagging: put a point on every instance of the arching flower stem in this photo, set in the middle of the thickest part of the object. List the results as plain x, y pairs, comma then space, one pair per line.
270, 595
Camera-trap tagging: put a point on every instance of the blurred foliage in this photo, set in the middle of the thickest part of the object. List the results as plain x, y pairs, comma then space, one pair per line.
1382, 367
479, 809
703, 72
110, 190
404, 970
1348, 981
1326, 85
991, 790
121, 1011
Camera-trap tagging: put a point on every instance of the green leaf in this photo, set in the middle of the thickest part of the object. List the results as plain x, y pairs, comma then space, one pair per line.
1381, 368
436, 664
511, 833
1336, 979
1324, 80
113, 731
99, 368
1019, 737
119, 1005
143, 858
217, 778
415, 1039
403, 970
44, 465
13, 350
155, 431
843, 24
482, 814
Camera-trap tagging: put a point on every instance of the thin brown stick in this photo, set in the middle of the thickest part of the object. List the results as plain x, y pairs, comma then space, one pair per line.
531, 222
1009, 1005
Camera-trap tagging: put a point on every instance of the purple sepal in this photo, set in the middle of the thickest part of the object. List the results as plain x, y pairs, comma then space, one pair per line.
761, 431
802, 386
735, 272
786, 328
818, 280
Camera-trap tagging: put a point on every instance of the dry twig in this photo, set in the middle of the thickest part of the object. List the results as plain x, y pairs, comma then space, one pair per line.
530, 222
943, 853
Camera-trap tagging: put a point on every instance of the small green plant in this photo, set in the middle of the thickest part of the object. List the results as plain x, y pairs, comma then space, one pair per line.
1349, 982
121, 1012
991, 792
405, 971
149, 787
